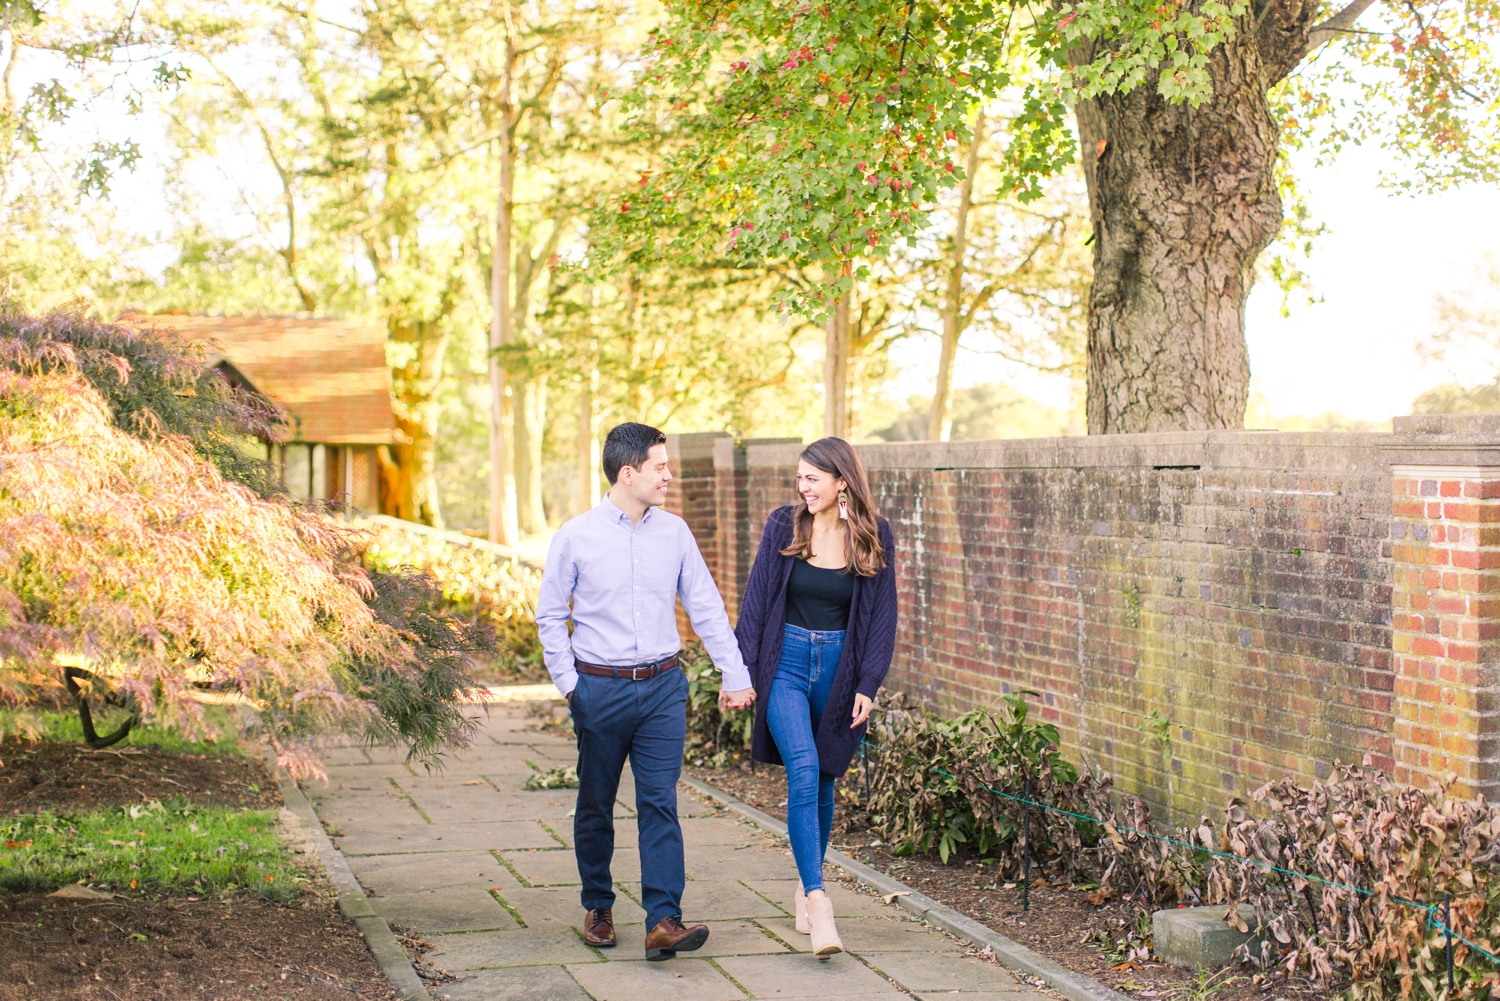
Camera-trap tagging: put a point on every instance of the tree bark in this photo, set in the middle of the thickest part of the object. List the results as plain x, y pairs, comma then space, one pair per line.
1183, 201
836, 370
937, 423
502, 527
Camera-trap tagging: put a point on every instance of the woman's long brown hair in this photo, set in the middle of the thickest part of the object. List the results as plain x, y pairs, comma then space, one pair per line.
862, 549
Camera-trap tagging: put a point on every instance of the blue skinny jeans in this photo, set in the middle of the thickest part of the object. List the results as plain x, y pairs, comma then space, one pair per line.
799, 694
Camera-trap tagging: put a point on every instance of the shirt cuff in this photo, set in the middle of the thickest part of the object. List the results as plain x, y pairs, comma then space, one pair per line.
566, 681
736, 679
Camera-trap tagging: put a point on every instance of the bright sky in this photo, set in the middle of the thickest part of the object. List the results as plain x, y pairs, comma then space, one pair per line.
1379, 269
1385, 260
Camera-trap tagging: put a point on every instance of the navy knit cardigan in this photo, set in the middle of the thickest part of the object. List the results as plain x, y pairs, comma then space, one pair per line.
868, 644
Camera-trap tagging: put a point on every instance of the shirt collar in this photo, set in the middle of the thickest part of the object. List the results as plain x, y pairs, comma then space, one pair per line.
613, 512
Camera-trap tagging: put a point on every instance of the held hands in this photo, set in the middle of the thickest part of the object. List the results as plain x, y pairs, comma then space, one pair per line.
862, 706
737, 700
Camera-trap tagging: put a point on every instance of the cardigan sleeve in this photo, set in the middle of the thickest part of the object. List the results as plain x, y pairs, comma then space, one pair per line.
880, 635
759, 588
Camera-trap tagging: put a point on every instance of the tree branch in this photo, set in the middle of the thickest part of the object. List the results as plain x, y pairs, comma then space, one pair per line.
1337, 24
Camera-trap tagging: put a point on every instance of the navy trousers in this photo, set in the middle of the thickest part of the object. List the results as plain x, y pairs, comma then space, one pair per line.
646, 722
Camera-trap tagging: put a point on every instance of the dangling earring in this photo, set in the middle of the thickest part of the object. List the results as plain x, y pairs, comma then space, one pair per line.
843, 505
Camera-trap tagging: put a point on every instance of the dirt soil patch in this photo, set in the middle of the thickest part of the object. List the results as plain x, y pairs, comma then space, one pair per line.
1061, 924
144, 949
68, 777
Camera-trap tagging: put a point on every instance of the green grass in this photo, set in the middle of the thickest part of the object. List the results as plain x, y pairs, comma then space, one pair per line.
67, 727
155, 846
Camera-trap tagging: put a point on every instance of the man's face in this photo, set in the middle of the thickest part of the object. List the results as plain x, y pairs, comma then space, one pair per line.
648, 485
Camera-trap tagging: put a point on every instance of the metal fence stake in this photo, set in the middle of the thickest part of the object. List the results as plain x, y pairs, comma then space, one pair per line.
1448, 931
1026, 844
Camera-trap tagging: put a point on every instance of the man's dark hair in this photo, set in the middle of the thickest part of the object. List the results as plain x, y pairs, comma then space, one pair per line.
629, 444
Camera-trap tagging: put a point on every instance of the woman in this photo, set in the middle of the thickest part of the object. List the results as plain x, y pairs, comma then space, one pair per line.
817, 626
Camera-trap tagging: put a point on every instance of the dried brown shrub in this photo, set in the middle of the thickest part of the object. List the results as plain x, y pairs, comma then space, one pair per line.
133, 556
1359, 828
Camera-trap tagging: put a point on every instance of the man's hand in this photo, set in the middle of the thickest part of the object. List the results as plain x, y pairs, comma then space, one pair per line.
862, 706
737, 700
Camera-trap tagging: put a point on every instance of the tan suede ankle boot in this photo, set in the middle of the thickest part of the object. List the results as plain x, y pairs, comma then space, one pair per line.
825, 937
799, 908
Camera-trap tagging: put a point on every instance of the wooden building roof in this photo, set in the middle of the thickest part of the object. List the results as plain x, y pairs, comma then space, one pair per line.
330, 375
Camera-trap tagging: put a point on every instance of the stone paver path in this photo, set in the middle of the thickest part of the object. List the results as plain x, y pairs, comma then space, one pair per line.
485, 870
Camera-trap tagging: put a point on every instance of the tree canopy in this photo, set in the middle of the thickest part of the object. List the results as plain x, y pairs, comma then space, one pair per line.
820, 134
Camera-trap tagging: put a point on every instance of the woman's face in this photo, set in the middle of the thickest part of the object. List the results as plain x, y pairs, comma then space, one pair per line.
819, 489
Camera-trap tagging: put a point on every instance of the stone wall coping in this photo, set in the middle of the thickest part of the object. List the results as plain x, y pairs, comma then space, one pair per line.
1311, 451
777, 454
693, 445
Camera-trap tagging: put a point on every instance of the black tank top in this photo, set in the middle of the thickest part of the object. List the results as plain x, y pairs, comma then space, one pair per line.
818, 598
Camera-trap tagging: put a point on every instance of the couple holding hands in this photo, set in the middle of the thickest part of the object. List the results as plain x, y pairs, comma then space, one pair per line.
816, 630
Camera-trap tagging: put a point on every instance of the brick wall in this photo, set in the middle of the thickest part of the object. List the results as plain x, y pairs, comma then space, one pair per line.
1198, 612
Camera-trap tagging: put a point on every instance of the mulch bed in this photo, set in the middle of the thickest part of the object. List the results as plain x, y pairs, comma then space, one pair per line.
143, 949
63, 776
1061, 924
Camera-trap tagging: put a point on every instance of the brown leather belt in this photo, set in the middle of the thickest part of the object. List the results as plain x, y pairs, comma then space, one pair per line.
641, 672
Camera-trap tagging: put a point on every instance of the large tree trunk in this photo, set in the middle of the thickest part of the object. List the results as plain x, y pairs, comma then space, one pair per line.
409, 483
1183, 202
953, 312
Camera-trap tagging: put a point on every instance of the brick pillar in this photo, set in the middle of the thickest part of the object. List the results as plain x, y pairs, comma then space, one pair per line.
1445, 624
731, 497
693, 498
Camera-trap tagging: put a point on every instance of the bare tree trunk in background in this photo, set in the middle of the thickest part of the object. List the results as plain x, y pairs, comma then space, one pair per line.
953, 314
530, 399
530, 425
1183, 201
407, 468
836, 370
587, 456
502, 527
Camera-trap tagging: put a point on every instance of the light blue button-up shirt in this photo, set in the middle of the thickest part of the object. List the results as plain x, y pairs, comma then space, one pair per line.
618, 582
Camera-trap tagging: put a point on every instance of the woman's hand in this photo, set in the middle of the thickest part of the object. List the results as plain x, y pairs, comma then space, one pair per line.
737, 700
862, 706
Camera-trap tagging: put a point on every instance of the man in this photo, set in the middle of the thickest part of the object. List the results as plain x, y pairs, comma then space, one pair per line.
622, 566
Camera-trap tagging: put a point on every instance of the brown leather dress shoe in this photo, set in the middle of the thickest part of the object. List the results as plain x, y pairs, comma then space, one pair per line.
669, 937
599, 928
